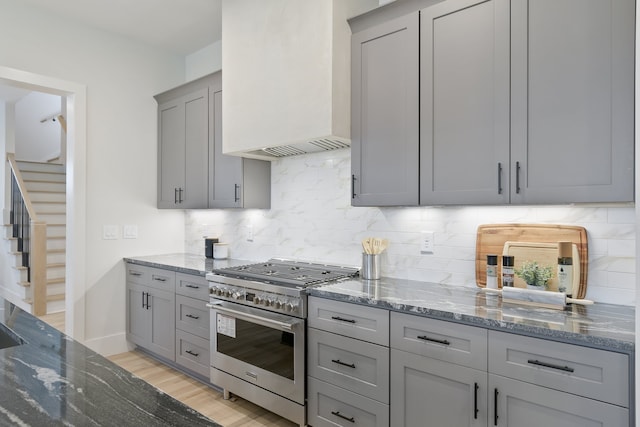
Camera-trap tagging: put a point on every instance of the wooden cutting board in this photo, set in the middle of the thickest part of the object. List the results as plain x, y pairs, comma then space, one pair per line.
492, 237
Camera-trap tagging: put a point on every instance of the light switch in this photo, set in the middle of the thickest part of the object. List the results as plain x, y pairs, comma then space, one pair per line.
109, 232
426, 242
130, 231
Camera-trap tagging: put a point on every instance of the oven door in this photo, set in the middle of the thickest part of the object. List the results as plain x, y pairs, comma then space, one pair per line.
260, 347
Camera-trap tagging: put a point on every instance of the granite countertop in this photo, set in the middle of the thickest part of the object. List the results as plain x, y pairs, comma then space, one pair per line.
53, 380
605, 326
185, 263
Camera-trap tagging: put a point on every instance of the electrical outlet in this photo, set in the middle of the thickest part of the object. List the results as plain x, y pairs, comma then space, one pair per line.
426, 242
109, 232
129, 231
250, 233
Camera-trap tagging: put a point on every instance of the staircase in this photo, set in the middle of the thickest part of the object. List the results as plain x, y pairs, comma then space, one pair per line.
46, 188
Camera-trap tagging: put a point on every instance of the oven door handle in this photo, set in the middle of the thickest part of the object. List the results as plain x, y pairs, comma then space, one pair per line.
260, 319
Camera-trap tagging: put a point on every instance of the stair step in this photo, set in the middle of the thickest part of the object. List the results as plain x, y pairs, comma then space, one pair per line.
56, 297
45, 186
25, 165
48, 206
47, 196
35, 176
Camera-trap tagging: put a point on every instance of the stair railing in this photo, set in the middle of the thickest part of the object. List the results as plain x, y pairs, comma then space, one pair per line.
31, 235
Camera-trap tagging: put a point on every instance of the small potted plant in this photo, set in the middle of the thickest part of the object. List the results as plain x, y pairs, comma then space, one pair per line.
534, 275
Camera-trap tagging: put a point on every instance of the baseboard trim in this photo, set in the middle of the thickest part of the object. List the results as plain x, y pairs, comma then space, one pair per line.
110, 344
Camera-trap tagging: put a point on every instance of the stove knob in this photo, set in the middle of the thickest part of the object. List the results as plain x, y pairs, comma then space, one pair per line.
268, 302
237, 295
218, 291
288, 306
227, 293
257, 300
277, 304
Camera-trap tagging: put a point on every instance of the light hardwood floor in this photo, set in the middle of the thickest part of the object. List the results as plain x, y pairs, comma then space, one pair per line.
236, 412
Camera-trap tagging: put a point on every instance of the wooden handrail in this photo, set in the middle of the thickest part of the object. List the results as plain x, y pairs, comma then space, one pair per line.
11, 158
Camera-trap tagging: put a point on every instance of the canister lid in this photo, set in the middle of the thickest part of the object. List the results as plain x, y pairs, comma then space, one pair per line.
492, 259
507, 260
565, 249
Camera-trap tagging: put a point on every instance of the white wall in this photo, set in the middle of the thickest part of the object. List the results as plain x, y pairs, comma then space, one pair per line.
35, 140
204, 61
121, 77
311, 218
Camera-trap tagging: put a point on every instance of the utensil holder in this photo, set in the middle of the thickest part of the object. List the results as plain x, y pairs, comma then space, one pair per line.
370, 266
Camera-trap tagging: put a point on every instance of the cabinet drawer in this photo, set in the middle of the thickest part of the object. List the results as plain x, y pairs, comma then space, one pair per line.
352, 320
597, 374
162, 279
192, 286
355, 365
192, 352
138, 274
192, 316
332, 406
451, 342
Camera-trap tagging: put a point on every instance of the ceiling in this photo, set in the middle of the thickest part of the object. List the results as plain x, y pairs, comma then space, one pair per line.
180, 26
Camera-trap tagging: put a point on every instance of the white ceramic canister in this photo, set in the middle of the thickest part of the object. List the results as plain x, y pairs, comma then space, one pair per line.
220, 251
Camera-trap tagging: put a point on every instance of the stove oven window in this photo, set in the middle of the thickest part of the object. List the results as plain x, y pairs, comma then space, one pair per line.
257, 345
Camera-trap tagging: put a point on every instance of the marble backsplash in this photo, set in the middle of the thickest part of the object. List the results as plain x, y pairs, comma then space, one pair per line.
311, 219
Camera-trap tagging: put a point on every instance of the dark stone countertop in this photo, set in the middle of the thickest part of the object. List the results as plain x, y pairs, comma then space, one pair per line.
53, 380
185, 263
604, 326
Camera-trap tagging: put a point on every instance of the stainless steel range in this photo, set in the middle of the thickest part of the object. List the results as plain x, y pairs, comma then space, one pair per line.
258, 330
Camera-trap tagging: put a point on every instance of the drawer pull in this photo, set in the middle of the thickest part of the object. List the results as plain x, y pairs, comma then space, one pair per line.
549, 365
192, 353
191, 286
135, 273
160, 279
475, 400
338, 414
343, 319
191, 316
426, 338
340, 362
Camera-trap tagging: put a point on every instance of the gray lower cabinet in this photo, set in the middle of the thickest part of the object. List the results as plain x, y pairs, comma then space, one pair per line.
384, 117
192, 324
438, 373
192, 171
151, 309
348, 373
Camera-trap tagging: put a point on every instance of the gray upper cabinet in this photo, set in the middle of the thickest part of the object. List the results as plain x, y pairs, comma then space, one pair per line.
520, 102
572, 85
384, 118
464, 102
192, 171
182, 151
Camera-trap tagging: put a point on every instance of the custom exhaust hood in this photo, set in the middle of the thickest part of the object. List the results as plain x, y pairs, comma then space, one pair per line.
287, 84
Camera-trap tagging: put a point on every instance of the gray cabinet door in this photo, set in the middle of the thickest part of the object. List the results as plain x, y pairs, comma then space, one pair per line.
516, 403
464, 102
430, 392
226, 179
183, 151
572, 135
384, 116
162, 323
137, 316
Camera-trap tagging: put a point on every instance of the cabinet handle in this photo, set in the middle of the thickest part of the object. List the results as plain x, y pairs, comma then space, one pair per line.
192, 353
517, 177
475, 400
499, 178
549, 365
353, 186
340, 362
191, 316
143, 300
236, 197
159, 279
341, 319
495, 406
180, 195
135, 273
426, 338
338, 414
147, 305
191, 286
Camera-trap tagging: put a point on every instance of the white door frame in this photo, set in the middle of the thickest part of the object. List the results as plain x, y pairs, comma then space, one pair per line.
76, 99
